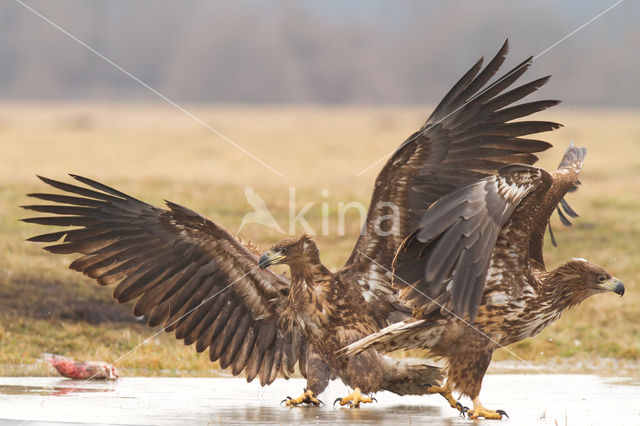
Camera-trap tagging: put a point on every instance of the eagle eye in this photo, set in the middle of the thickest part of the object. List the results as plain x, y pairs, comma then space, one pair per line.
602, 278
283, 250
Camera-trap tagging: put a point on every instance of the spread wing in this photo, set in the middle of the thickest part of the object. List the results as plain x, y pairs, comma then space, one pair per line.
448, 256
565, 180
186, 272
470, 135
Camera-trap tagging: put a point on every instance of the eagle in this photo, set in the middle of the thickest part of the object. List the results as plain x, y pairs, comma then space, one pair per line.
196, 280
474, 274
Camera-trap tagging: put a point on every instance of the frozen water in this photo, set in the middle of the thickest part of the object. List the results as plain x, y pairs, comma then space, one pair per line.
529, 399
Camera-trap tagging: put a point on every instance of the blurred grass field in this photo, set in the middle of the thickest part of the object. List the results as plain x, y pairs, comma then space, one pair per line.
156, 153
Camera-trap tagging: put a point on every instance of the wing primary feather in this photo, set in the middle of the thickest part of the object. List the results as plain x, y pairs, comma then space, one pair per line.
104, 188
239, 335
458, 88
68, 199
485, 75
188, 299
567, 209
563, 218
62, 210
266, 366
145, 277
244, 354
61, 220
79, 190
277, 358
157, 293
254, 363
503, 82
522, 110
212, 308
220, 344
201, 303
210, 333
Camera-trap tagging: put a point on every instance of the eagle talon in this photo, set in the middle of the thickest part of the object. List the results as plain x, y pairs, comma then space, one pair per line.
285, 400
306, 398
480, 411
502, 413
354, 399
463, 410
447, 393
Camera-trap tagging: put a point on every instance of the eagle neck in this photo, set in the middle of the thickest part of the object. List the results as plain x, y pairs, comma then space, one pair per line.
308, 268
559, 291
310, 281
308, 272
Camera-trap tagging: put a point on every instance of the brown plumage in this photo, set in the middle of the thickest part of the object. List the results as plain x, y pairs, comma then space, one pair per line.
331, 311
474, 274
470, 135
194, 278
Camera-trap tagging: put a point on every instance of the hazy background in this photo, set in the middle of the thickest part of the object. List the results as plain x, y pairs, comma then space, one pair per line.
310, 51
318, 91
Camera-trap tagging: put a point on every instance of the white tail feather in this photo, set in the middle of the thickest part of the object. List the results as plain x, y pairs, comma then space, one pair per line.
406, 334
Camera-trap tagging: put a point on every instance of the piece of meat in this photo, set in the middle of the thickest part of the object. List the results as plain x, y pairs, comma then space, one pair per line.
87, 370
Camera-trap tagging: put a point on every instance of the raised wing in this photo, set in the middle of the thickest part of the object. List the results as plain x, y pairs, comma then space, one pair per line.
447, 258
565, 180
186, 272
470, 135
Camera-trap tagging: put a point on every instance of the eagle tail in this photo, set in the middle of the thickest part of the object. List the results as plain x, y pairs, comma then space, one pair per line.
408, 334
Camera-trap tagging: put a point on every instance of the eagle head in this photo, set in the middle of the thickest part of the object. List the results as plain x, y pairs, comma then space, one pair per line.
578, 279
289, 251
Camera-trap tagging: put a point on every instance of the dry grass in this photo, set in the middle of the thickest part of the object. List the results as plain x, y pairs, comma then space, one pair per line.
156, 153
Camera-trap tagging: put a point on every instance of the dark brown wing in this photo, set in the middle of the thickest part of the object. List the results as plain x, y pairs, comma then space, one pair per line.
450, 252
565, 180
186, 272
470, 135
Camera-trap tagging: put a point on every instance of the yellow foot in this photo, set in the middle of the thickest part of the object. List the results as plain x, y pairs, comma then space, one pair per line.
487, 414
306, 398
447, 394
479, 411
354, 399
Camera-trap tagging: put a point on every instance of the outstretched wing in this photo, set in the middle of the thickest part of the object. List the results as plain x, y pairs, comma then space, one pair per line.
470, 135
447, 257
186, 272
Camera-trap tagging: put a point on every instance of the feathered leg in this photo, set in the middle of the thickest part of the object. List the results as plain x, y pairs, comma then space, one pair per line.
364, 372
466, 370
318, 375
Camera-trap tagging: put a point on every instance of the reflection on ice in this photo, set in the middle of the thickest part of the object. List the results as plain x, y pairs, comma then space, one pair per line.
63, 387
538, 399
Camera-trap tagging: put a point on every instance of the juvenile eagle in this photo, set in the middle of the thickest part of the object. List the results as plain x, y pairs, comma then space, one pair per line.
474, 274
194, 278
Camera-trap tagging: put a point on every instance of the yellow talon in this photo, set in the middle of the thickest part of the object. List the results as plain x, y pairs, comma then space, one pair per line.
479, 411
447, 393
354, 399
306, 398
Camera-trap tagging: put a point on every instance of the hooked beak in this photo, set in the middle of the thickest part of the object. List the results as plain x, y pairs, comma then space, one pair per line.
614, 285
270, 258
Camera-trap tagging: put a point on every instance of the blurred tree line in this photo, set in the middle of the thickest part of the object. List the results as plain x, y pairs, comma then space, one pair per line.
310, 51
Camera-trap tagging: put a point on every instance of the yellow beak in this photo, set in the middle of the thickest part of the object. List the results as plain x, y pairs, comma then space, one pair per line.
270, 258
614, 285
